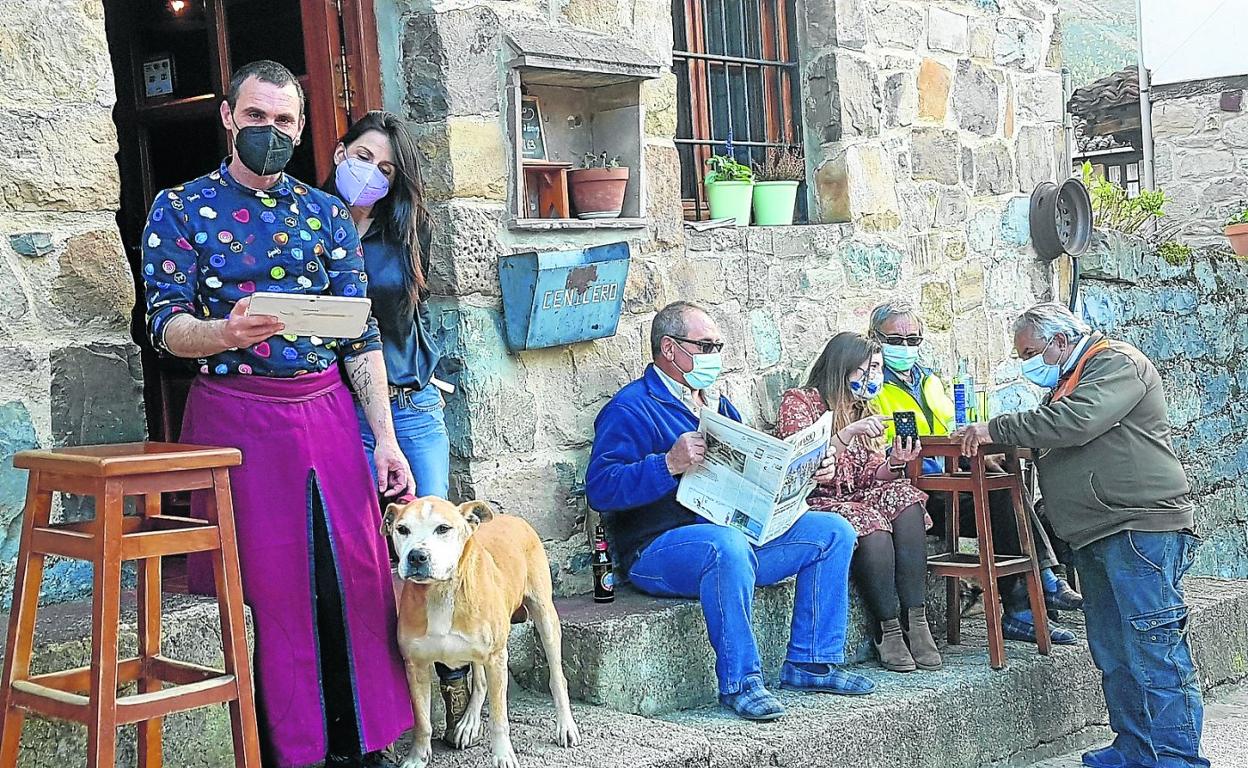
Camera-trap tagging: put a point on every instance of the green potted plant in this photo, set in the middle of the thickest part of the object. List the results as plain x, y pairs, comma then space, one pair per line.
729, 186
775, 192
597, 187
1115, 210
1237, 232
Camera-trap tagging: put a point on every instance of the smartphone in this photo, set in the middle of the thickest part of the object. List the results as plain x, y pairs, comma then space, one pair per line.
907, 427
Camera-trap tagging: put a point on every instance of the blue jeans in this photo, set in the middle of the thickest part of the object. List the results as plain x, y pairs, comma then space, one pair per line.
1137, 632
421, 432
717, 565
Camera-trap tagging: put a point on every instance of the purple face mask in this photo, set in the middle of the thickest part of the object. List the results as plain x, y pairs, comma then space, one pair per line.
360, 182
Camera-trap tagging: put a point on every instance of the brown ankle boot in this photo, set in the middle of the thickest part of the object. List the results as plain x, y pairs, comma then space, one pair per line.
922, 645
455, 693
892, 650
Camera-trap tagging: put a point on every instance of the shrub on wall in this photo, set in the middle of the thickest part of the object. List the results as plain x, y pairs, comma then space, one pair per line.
1113, 208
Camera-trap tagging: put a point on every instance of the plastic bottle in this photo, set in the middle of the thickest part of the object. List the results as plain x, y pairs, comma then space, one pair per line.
963, 393
981, 399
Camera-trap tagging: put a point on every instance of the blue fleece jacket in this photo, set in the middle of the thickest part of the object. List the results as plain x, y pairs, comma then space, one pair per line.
627, 481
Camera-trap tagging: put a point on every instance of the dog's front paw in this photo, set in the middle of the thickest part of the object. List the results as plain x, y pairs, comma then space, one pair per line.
567, 734
504, 755
468, 730
418, 756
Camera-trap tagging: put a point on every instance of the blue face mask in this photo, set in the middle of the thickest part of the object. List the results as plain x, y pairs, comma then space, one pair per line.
866, 390
900, 357
706, 369
1039, 372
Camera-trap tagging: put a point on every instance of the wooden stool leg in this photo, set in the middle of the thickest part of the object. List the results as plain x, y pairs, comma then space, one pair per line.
105, 616
149, 588
953, 584
988, 565
1035, 587
233, 627
21, 634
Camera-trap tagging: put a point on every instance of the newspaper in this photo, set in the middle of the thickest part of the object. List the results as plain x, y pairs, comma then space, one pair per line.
752, 481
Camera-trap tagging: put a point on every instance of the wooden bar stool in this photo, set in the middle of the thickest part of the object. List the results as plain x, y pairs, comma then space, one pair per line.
88, 695
986, 566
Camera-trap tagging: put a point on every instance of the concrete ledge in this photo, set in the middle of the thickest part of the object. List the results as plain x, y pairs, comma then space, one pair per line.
962, 717
191, 632
646, 656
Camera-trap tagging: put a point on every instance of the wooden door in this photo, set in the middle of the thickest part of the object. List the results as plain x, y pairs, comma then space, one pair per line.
172, 62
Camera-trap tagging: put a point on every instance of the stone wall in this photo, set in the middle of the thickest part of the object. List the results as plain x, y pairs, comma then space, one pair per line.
925, 124
914, 108
1192, 321
1200, 131
68, 371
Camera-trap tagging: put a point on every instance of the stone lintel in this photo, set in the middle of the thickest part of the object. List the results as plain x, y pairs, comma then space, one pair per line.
577, 57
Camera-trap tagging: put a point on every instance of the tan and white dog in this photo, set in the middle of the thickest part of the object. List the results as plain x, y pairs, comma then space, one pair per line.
465, 572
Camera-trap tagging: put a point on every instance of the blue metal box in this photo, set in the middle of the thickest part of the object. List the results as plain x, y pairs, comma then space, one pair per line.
561, 297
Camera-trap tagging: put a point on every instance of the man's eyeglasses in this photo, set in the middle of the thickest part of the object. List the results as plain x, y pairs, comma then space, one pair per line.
705, 347
901, 341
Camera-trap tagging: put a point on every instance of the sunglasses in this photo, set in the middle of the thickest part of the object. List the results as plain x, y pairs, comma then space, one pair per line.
705, 347
901, 341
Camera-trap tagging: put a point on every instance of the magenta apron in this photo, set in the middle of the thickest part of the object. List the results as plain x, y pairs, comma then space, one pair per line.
300, 437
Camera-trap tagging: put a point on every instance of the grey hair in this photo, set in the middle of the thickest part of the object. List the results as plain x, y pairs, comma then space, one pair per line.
887, 311
1049, 319
671, 321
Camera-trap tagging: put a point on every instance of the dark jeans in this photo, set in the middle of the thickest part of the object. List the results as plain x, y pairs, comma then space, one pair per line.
716, 564
1005, 538
1137, 632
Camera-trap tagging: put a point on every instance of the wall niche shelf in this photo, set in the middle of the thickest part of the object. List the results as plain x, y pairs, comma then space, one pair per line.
573, 93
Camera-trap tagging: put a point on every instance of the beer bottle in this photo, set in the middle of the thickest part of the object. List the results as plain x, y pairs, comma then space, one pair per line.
604, 576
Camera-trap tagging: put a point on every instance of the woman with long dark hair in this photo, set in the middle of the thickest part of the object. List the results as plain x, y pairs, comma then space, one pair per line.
377, 174
869, 488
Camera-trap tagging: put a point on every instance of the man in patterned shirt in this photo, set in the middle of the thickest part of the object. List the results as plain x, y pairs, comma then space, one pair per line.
316, 573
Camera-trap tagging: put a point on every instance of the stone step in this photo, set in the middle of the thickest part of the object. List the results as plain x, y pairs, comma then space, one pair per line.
191, 630
646, 656
964, 716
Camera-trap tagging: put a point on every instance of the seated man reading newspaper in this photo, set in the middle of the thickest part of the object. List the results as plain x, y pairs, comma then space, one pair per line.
646, 439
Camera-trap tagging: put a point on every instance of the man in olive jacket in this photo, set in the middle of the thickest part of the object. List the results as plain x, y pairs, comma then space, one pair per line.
1115, 491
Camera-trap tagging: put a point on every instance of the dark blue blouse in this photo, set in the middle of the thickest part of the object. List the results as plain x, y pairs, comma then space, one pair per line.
212, 241
408, 345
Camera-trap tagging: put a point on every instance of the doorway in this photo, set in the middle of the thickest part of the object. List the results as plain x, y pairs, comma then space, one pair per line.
172, 62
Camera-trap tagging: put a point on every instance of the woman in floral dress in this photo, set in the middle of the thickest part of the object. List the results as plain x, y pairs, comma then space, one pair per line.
869, 488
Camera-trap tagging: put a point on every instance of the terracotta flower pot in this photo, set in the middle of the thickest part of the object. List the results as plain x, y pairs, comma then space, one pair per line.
598, 193
1238, 235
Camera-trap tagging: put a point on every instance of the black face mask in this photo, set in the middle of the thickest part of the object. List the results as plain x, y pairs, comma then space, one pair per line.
263, 149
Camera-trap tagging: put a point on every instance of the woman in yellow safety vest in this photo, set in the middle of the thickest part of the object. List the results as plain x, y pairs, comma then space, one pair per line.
909, 386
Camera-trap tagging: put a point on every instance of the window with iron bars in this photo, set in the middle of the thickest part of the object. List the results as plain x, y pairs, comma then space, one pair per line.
736, 68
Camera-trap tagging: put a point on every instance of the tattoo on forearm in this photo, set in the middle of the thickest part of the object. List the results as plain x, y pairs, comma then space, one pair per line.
368, 378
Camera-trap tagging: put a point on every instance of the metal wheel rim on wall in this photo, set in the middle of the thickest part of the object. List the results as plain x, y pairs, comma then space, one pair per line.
1061, 219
